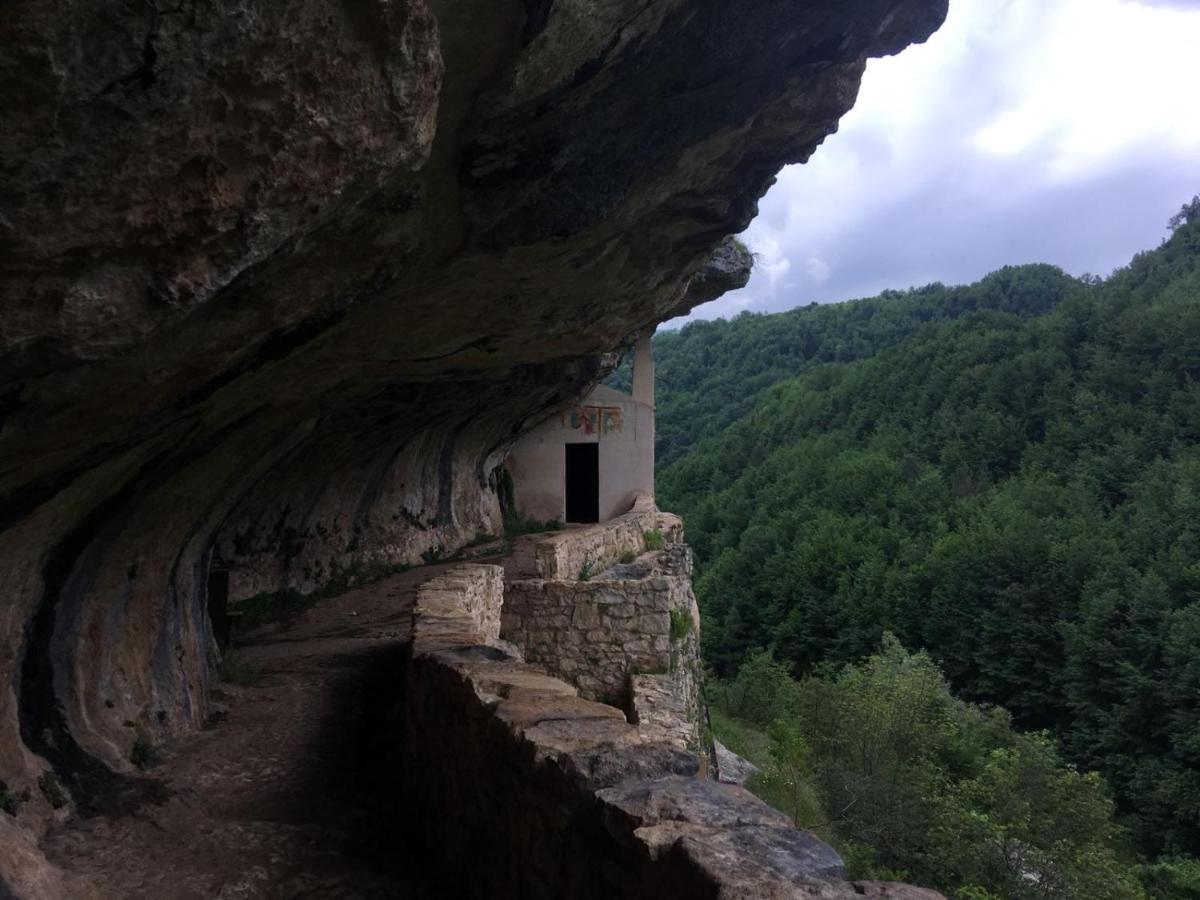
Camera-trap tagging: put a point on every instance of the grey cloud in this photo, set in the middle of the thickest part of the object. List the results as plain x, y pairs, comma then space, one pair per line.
945, 211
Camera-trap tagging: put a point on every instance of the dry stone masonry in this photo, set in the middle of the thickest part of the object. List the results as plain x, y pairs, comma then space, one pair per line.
632, 625
563, 555
533, 792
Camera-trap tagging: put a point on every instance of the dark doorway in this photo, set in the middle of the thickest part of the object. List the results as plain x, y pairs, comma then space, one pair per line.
218, 602
583, 482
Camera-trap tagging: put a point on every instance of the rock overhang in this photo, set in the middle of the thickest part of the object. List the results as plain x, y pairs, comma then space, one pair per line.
283, 287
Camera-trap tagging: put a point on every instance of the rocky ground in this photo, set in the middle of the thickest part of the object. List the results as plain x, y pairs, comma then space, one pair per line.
286, 796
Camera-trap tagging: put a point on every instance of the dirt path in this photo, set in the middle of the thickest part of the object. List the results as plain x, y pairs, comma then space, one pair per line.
288, 797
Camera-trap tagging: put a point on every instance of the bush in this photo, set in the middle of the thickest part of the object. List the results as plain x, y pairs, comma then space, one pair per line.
9, 802
653, 539
586, 570
52, 790
882, 760
517, 523
762, 690
1172, 879
681, 624
144, 754
627, 557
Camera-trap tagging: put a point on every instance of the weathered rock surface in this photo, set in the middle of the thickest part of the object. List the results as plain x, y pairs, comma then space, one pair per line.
731, 768
281, 283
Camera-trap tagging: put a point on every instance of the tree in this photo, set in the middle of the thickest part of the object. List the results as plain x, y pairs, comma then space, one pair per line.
1188, 213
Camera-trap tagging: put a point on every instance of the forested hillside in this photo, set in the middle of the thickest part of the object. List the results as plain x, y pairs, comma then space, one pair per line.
1005, 475
713, 373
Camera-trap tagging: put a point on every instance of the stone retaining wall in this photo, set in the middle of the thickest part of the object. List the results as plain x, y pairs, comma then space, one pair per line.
597, 633
527, 790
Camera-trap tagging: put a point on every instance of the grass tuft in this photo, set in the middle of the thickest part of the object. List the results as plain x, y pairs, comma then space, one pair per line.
587, 569
681, 625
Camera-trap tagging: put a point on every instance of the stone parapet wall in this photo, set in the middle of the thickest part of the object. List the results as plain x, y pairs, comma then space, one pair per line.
524, 789
466, 597
563, 555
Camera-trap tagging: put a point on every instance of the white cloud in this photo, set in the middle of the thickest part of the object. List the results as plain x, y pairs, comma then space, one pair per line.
818, 269
1021, 131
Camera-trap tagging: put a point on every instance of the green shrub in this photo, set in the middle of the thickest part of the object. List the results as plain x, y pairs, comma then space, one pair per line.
517, 523
762, 691
144, 754
654, 539
905, 779
52, 790
9, 801
627, 557
681, 624
1172, 879
586, 570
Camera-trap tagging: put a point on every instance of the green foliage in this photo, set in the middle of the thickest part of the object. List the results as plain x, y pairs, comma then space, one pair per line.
912, 783
710, 374
653, 539
144, 754
739, 736
1172, 879
9, 801
1188, 213
587, 569
681, 625
517, 523
627, 556
52, 790
759, 693
787, 782
1006, 475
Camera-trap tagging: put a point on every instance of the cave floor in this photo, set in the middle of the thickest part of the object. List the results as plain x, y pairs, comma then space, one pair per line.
291, 794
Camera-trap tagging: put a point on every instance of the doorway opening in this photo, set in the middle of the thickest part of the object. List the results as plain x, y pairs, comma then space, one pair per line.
218, 601
583, 482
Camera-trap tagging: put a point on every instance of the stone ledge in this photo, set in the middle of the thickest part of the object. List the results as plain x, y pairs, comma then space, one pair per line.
562, 555
530, 791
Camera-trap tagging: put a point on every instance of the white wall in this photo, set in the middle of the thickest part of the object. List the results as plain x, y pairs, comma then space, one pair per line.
538, 461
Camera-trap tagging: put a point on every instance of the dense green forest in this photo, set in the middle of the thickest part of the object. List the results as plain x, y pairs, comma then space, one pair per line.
1005, 476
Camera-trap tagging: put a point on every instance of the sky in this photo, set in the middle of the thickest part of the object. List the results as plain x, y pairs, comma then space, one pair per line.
1059, 131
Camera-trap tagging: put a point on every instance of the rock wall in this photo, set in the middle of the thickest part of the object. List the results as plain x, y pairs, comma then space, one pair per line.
282, 284
549, 795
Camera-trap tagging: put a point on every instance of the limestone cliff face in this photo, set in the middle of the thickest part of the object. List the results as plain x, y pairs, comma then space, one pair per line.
281, 282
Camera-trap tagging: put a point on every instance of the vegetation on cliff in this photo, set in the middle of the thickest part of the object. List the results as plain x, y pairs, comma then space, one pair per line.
1005, 475
912, 784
